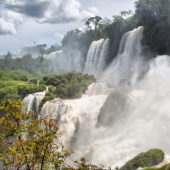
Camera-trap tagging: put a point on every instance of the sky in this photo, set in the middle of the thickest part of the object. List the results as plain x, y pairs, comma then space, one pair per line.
29, 22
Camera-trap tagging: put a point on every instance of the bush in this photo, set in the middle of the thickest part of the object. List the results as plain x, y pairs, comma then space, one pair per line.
30, 88
145, 159
48, 96
8, 90
70, 85
4, 75
33, 80
164, 167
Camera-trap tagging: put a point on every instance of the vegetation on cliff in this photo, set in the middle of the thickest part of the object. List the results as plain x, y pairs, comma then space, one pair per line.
70, 85
145, 159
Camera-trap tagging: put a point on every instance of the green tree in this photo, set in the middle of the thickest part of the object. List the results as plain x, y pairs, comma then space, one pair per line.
26, 143
154, 16
93, 22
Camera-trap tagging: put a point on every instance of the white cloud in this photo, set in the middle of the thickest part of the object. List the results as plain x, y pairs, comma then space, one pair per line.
13, 12
9, 21
12, 16
93, 10
7, 27
59, 35
51, 11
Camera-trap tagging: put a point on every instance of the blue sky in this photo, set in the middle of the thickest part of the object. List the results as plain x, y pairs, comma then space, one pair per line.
23, 22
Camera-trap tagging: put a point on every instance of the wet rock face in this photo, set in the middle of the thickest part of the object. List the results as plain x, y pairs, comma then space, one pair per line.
112, 109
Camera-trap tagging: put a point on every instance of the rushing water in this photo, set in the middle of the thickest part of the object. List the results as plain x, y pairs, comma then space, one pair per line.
128, 63
32, 101
96, 57
62, 61
110, 128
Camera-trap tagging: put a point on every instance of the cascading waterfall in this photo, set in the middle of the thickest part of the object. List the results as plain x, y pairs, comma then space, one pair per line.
72, 115
132, 120
60, 62
128, 63
52, 55
96, 57
110, 128
32, 101
96, 89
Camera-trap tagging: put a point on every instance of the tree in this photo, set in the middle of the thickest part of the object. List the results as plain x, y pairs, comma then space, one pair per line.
154, 16
93, 22
27, 143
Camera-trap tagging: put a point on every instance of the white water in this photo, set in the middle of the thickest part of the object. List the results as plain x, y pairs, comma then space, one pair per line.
97, 89
32, 101
52, 55
141, 119
135, 119
76, 118
61, 62
96, 57
128, 63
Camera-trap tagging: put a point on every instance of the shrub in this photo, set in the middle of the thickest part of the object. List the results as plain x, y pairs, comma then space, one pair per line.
24, 90
33, 80
70, 85
48, 96
164, 167
145, 159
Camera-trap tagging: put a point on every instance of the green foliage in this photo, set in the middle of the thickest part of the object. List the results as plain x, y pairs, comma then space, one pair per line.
164, 167
40, 49
35, 66
48, 96
33, 80
120, 24
70, 85
31, 144
29, 88
26, 143
154, 16
19, 75
8, 90
12, 88
83, 165
14, 75
4, 75
93, 22
145, 159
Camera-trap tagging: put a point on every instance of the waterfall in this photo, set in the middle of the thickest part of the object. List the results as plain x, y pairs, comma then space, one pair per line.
65, 61
96, 57
32, 101
96, 89
110, 128
131, 120
75, 118
52, 55
128, 62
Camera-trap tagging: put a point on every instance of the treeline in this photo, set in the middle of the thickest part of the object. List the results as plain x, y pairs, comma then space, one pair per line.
40, 49
36, 66
15, 85
19, 83
152, 14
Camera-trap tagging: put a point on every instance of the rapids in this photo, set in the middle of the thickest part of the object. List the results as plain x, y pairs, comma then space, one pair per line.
110, 128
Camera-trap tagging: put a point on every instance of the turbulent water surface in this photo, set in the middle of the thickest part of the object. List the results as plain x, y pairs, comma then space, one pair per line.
109, 126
